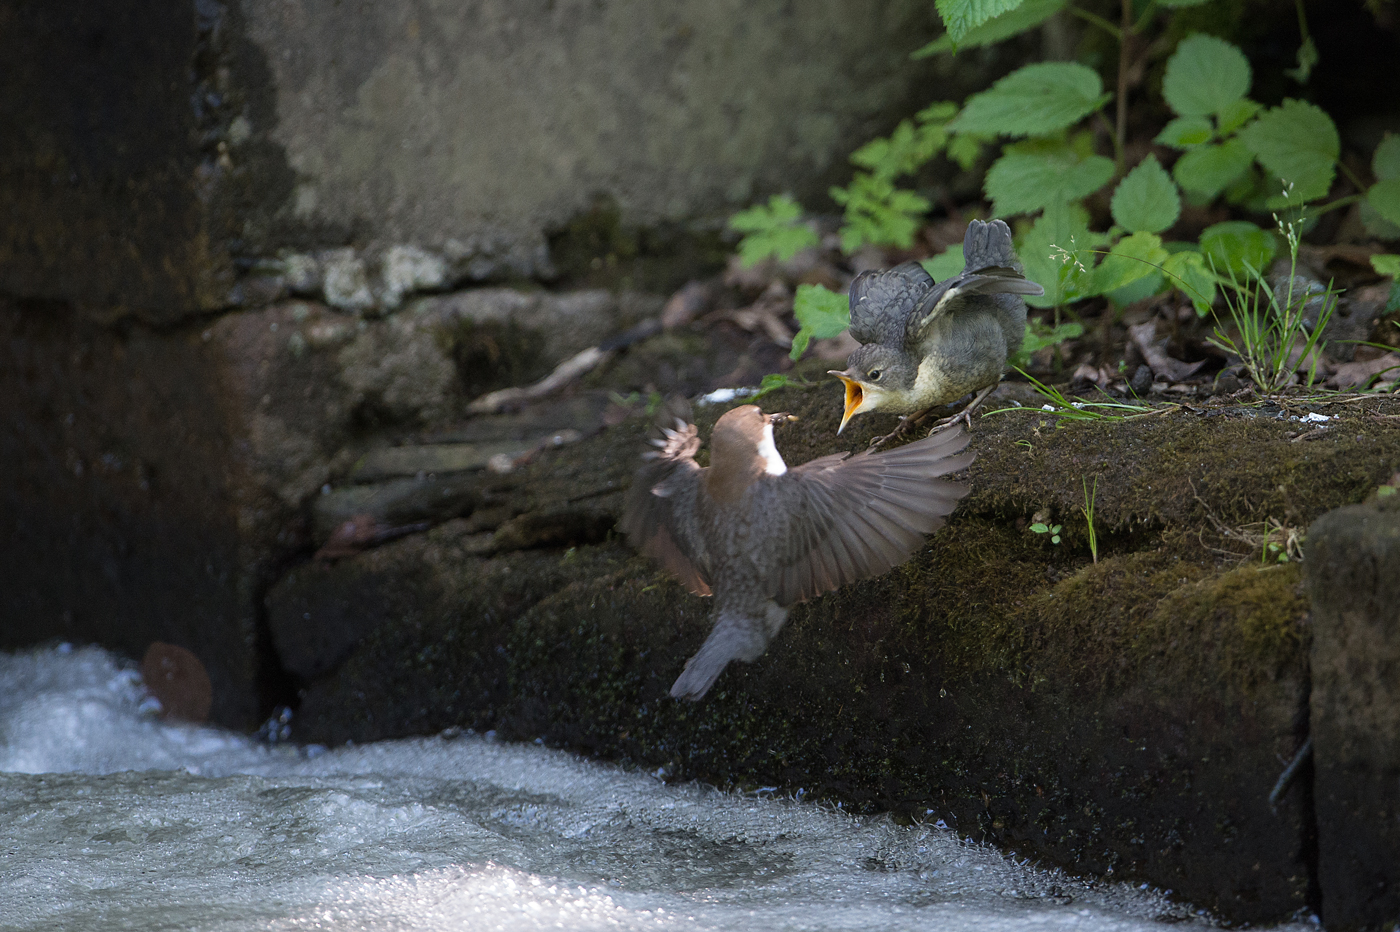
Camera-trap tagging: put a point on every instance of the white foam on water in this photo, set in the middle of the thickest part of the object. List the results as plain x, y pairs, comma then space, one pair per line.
111, 819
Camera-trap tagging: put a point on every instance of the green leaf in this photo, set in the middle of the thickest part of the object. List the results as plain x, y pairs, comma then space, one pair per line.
1057, 253
1236, 115
1185, 132
1188, 273
1299, 143
877, 212
1236, 246
822, 313
1039, 528
965, 150
1146, 200
772, 230
1204, 76
1131, 258
1028, 15
1386, 265
1385, 164
1033, 100
1022, 182
1384, 197
903, 151
946, 264
1375, 224
1178, 4
1040, 335
962, 16
1207, 170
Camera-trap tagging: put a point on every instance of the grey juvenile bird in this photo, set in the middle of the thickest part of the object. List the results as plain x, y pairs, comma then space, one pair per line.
761, 536
927, 344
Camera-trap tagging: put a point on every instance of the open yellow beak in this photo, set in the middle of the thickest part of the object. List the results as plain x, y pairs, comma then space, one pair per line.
855, 397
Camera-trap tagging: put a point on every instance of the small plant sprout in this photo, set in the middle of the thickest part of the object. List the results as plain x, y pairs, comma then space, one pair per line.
1275, 336
1040, 527
1088, 509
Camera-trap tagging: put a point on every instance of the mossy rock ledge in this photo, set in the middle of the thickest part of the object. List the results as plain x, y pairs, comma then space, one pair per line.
1127, 717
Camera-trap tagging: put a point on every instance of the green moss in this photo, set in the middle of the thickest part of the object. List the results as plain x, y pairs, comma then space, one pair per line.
493, 354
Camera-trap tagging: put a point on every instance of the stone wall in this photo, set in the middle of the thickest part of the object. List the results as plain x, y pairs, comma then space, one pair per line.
173, 157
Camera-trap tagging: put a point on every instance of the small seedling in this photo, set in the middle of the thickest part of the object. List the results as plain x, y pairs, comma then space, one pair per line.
1088, 510
1052, 529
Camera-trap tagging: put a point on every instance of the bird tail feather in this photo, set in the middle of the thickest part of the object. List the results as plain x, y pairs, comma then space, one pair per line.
987, 245
737, 635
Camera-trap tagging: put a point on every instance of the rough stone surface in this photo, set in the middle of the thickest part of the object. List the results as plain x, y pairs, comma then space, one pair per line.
1353, 570
166, 158
437, 123
155, 481
1124, 717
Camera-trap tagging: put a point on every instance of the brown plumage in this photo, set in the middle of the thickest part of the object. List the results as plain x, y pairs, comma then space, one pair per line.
760, 536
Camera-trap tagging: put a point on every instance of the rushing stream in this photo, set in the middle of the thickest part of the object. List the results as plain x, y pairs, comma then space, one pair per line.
112, 819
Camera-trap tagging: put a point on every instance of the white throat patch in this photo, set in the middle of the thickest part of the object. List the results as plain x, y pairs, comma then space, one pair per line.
773, 463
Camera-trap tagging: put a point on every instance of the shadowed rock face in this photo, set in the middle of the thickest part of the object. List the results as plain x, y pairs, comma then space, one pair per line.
1353, 571
1126, 717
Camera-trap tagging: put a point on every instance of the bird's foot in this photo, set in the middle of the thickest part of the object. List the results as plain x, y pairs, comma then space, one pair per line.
965, 415
906, 423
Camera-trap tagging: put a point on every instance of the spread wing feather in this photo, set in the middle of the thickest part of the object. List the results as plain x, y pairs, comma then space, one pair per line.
880, 302
663, 488
853, 518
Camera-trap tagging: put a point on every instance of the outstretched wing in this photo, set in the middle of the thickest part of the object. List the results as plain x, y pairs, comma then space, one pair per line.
859, 517
990, 268
880, 302
663, 488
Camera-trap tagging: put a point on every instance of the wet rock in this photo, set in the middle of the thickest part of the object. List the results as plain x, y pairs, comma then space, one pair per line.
1125, 718
439, 458
1353, 570
396, 502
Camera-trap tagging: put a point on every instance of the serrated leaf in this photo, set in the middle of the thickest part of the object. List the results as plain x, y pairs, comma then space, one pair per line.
1386, 265
1131, 258
1385, 164
1033, 100
1024, 182
946, 264
1384, 197
1204, 76
940, 112
1207, 170
1146, 200
962, 16
1298, 142
774, 229
1375, 224
965, 150
821, 312
1236, 246
1188, 273
877, 212
1057, 254
1185, 132
1236, 115
1028, 15
903, 151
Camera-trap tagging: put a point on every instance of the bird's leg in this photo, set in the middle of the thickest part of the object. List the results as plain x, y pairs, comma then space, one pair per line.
965, 415
905, 422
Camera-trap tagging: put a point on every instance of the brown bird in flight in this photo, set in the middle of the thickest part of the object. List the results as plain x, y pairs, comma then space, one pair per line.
761, 536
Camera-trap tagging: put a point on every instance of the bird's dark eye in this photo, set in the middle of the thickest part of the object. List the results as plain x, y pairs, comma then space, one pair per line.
874, 375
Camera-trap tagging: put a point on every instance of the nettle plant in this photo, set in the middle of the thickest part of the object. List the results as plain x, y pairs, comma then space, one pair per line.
1281, 160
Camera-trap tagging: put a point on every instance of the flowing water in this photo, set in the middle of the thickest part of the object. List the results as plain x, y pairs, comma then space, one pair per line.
113, 819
